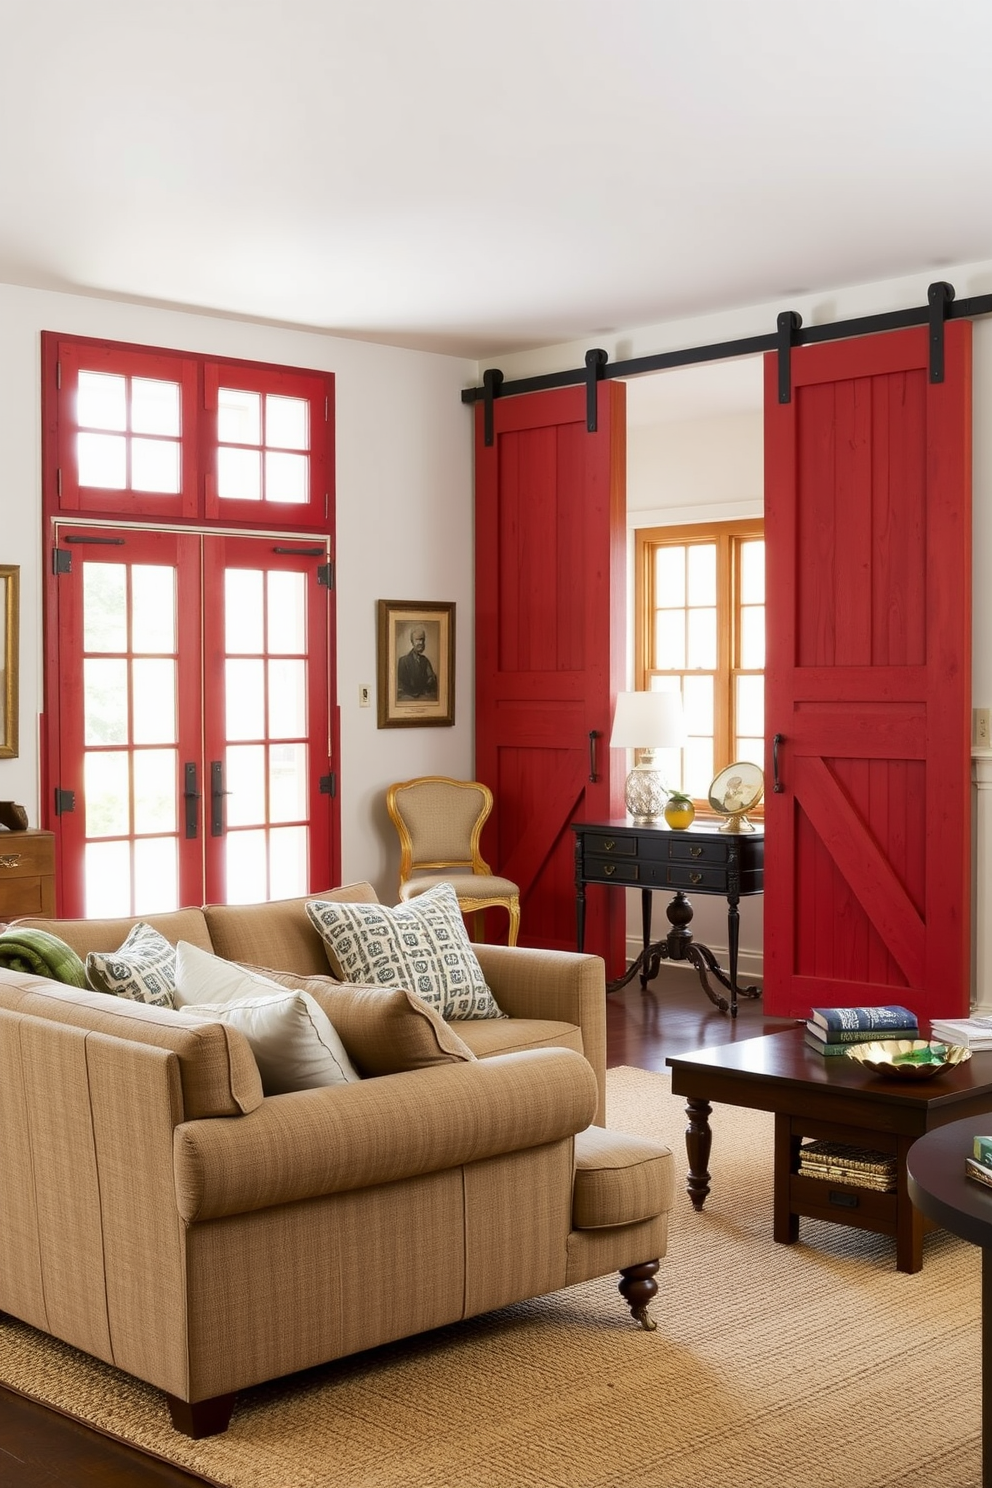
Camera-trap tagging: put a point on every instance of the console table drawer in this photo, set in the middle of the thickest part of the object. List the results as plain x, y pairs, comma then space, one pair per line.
605, 870
704, 879
685, 849
613, 847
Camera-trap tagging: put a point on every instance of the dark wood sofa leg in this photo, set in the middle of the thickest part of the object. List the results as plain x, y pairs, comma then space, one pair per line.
637, 1286
201, 1417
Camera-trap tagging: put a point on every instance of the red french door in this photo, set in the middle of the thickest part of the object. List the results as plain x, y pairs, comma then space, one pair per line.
193, 746
868, 677
550, 626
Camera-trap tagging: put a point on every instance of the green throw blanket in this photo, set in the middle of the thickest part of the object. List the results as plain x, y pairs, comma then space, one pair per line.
23, 949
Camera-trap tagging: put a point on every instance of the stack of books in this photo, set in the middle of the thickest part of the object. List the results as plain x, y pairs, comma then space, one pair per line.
973, 1033
832, 1030
979, 1165
859, 1166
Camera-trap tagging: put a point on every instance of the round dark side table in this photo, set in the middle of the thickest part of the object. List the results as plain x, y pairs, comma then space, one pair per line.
938, 1186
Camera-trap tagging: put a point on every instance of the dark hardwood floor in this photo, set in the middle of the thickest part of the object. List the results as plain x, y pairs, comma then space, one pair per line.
40, 1448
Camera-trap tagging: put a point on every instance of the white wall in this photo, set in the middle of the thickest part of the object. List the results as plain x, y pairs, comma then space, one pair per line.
404, 527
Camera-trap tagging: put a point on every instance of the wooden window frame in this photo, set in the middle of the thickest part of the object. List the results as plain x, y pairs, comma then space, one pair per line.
728, 537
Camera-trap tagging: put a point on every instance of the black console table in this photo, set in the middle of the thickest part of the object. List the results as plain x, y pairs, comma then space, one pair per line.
700, 858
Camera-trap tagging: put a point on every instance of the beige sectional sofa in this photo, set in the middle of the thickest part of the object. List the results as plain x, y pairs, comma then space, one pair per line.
159, 1212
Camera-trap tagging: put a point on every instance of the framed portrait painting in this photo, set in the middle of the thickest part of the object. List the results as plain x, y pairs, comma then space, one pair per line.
415, 663
9, 609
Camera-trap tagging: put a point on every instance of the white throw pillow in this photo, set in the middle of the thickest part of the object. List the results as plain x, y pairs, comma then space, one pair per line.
143, 969
422, 945
295, 1045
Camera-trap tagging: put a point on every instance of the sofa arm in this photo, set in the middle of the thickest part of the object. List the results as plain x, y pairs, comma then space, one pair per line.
564, 985
342, 1137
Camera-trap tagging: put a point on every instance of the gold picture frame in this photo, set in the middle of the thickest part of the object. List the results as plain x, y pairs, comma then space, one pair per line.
10, 578
415, 664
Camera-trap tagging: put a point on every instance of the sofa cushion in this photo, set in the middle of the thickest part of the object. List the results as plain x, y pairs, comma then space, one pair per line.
278, 932
216, 1067
293, 1041
102, 935
487, 1037
385, 1030
423, 946
142, 969
619, 1179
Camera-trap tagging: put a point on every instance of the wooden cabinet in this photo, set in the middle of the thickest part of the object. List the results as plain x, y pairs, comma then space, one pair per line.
27, 874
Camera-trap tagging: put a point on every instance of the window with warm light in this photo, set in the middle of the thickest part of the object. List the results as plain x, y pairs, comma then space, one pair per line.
700, 607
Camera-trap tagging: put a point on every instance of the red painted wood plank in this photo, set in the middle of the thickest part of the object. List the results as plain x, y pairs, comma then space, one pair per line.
869, 733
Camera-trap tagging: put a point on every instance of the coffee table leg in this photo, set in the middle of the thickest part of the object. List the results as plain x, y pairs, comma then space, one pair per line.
909, 1219
698, 1141
785, 1225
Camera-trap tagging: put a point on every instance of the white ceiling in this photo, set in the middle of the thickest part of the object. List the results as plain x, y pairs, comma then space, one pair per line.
476, 178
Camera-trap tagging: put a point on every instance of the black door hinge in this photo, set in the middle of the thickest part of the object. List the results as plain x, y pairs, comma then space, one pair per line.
328, 785
64, 801
61, 561
325, 574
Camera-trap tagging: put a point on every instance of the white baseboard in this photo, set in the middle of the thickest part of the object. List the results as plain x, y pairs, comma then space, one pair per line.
750, 964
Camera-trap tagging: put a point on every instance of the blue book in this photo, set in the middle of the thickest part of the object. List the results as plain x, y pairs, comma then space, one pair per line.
883, 1019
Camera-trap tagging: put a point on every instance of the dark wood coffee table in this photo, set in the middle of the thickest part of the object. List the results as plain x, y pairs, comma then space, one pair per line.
826, 1099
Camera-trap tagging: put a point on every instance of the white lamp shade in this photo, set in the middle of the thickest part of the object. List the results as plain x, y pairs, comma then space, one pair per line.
648, 720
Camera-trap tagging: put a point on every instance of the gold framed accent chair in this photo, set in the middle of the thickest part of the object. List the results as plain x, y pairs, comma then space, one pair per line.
440, 821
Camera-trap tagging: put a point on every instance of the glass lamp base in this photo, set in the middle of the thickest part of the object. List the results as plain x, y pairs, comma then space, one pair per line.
645, 795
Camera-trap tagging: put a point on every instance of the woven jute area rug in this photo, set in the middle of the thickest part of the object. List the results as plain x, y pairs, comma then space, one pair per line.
809, 1366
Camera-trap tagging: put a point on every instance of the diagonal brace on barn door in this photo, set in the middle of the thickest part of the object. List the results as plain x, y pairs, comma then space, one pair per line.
534, 848
861, 862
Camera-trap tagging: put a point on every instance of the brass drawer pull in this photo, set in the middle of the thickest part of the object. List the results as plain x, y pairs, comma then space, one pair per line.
695, 878
609, 868
10, 860
695, 852
609, 845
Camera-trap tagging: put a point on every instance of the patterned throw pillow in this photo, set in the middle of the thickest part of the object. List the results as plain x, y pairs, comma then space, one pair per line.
423, 946
144, 969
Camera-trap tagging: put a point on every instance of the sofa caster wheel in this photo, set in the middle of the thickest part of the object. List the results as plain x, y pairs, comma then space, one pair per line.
637, 1286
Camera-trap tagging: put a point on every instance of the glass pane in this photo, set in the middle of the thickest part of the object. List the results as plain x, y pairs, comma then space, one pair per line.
287, 613
104, 607
669, 639
155, 799
287, 422
154, 406
153, 702
245, 779
669, 576
753, 637
752, 750
702, 639
155, 465
697, 698
245, 859
101, 401
287, 699
244, 685
106, 789
239, 475
286, 477
288, 783
107, 877
287, 862
104, 702
102, 460
698, 767
156, 875
153, 608
239, 416
753, 572
751, 706
702, 574
243, 611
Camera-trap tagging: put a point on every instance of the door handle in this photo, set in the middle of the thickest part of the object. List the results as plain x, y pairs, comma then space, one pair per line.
593, 736
777, 739
191, 796
217, 794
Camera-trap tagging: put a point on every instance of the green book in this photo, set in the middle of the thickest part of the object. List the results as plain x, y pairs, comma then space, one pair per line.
982, 1150
824, 1048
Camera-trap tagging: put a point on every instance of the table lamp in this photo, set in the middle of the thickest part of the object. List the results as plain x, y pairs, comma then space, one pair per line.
647, 721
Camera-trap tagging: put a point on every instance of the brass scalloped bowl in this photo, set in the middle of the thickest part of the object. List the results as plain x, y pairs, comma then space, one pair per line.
909, 1059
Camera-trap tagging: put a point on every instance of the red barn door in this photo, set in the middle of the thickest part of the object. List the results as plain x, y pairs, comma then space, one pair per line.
550, 630
868, 532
